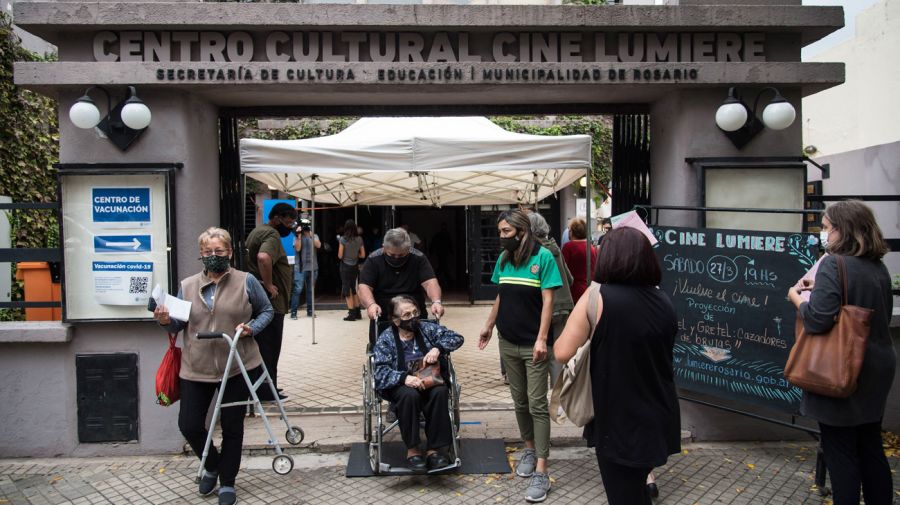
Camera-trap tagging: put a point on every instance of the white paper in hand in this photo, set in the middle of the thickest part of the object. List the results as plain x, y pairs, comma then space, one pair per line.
633, 220
178, 308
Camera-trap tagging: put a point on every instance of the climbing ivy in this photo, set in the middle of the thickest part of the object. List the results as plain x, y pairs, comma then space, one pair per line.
29, 146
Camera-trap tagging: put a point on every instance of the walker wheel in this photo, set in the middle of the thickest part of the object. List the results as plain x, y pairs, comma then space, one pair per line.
283, 464
294, 435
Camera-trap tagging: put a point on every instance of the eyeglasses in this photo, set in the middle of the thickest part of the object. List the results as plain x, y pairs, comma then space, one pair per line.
217, 252
409, 314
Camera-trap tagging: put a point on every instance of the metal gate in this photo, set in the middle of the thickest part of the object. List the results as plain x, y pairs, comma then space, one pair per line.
631, 162
231, 187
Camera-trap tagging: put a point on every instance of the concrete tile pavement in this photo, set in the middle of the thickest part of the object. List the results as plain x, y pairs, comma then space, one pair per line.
704, 474
327, 376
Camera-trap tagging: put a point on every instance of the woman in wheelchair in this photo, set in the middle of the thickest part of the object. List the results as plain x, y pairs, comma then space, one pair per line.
400, 351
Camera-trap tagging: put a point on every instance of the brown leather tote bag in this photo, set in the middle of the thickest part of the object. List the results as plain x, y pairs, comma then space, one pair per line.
828, 364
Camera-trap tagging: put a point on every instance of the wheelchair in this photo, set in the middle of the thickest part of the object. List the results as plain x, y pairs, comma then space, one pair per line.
374, 428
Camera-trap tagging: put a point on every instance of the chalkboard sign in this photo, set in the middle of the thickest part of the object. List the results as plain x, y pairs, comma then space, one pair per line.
735, 324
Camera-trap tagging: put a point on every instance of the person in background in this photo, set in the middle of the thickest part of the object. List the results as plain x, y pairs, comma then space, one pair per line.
522, 312
267, 261
851, 427
562, 298
603, 228
398, 349
575, 254
637, 424
350, 251
241, 305
306, 245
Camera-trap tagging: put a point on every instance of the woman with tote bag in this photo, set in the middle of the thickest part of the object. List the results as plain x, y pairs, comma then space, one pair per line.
851, 427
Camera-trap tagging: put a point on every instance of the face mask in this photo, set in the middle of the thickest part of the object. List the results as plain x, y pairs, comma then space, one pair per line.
395, 262
510, 243
215, 264
283, 230
409, 324
823, 239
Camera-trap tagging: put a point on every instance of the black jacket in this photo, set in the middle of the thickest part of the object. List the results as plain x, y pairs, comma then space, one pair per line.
869, 285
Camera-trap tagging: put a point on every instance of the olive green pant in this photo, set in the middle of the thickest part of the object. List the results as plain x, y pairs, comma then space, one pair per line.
528, 388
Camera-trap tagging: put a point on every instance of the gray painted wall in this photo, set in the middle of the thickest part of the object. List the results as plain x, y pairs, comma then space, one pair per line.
871, 171
184, 129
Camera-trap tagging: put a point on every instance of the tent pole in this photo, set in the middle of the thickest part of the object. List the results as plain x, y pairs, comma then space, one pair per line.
587, 245
312, 284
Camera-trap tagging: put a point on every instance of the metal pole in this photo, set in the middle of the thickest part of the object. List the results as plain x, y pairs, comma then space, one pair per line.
312, 284
587, 206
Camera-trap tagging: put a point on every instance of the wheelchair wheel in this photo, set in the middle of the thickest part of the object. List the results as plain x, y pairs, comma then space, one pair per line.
375, 439
367, 406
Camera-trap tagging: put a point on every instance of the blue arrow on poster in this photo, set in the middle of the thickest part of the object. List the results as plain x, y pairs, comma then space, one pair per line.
121, 243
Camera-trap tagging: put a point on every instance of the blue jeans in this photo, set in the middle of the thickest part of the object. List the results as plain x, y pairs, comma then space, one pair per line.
303, 280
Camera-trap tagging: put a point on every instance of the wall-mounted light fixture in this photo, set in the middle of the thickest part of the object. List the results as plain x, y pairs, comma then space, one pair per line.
123, 123
739, 122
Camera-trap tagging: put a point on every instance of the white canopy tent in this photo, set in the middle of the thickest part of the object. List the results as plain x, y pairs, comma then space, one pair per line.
419, 161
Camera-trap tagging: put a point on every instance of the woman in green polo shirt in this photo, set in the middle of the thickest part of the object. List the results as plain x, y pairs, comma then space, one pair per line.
527, 275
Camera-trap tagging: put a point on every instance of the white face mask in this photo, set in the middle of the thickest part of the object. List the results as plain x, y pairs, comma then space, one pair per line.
823, 239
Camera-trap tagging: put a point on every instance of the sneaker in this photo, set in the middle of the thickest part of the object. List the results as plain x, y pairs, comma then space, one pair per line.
227, 497
538, 488
207, 483
526, 464
294, 316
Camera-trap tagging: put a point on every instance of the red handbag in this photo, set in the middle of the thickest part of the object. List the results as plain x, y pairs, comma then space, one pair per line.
167, 391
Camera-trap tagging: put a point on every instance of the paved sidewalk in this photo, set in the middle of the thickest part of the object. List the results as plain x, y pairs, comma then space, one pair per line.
703, 474
326, 377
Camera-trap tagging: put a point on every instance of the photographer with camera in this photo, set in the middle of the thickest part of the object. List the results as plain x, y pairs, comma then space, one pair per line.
306, 268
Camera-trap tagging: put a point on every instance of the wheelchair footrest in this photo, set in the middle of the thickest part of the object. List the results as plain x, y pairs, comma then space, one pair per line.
452, 466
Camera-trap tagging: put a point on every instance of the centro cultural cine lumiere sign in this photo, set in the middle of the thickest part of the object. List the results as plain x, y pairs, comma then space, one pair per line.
439, 56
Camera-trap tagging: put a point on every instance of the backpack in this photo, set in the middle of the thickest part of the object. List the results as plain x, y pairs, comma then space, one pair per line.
571, 397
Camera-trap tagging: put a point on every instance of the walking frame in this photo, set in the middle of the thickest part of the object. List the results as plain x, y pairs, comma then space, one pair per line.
282, 463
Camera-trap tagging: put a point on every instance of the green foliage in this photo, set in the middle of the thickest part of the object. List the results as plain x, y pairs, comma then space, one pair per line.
298, 129
29, 146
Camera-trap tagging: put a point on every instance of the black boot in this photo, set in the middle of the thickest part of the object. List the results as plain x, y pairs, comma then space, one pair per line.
357, 313
351, 316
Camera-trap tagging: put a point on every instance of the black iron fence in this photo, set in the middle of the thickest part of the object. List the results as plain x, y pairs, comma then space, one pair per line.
21, 254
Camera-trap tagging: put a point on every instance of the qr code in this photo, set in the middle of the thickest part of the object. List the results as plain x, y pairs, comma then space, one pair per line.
138, 285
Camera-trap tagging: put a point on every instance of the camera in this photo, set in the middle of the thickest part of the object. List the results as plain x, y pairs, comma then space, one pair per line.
304, 225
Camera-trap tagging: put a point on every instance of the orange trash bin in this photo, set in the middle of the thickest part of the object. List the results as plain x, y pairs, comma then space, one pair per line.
39, 287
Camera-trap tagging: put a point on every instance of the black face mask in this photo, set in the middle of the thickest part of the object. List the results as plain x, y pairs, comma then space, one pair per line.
216, 264
510, 243
394, 262
409, 324
283, 230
